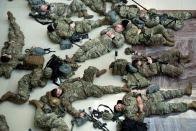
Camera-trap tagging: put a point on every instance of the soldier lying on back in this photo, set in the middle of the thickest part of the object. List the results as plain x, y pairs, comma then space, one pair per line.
12, 50
109, 39
169, 63
76, 89
51, 11
173, 19
66, 32
137, 106
155, 36
37, 78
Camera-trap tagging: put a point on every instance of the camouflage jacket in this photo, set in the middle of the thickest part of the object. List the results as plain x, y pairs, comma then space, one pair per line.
131, 109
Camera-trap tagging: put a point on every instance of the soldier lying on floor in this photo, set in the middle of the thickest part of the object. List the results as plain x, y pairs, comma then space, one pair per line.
37, 78
155, 36
169, 63
72, 90
173, 19
12, 50
137, 106
44, 12
66, 32
108, 40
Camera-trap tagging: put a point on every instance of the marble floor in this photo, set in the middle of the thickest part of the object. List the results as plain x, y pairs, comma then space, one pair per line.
20, 117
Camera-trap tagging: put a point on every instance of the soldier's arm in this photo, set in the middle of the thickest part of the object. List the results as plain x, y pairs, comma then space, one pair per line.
70, 109
71, 80
118, 40
136, 116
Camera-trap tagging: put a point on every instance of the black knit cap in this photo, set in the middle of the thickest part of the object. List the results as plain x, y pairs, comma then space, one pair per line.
50, 28
125, 23
124, 1
118, 102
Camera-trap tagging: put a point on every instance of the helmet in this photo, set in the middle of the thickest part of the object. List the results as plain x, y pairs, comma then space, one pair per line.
47, 72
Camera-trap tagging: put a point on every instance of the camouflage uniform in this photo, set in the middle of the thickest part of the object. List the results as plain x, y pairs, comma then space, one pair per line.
154, 104
157, 35
127, 11
173, 56
37, 78
158, 68
133, 78
60, 9
3, 124
99, 6
172, 20
82, 89
99, 46
13, 47
64, 31
49, 121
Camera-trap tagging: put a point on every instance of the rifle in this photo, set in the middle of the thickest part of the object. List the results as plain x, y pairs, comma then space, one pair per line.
161, 16
140, 5
96, 123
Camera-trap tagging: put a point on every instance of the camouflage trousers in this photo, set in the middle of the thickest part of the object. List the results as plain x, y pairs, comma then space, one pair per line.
91, 49
49, 121
98, 6
3, 123
157, 35
156, 105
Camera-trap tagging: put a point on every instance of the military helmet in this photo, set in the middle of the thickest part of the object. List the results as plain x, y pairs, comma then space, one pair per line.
47, 72
54, 102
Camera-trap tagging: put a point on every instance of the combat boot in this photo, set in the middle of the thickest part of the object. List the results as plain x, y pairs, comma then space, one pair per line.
168, 43
80, 14
193, 13
36, 103
188, 89
185, 59
7, 96
86, 15
192, 105
100, 72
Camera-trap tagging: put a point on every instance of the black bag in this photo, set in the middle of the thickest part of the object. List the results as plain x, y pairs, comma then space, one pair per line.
132, 125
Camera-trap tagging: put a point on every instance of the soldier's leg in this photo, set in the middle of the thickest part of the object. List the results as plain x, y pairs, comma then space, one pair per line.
91, 72
182, 15
15, 33
23, 93
170, 94
163, 108
78, 7
171, 70
159, 29
98, 91
47, 121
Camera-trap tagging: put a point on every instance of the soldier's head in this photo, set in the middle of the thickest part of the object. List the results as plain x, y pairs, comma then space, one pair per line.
119, 27
136, 63
44, 7
57, 92
6, 58
47, 72
119, 107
